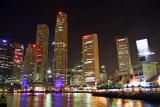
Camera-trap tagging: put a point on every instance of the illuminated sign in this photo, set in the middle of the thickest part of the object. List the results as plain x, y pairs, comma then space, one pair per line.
142, 46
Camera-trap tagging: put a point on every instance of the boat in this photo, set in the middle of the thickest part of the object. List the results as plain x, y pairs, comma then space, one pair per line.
3, 101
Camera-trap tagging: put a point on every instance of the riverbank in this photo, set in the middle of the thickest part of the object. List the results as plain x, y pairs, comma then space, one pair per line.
130, 95
80, 91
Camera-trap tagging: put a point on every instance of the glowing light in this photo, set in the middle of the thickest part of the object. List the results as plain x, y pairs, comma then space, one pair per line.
121, 40
33, 45
59, 82
159, 80
25, 83
60, 13
53, 43
86, 36
49, 71
4, 40
142, 46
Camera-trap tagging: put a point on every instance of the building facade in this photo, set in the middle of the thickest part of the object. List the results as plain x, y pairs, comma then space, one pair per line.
144, 52
18, 52
77, 76
138, 73
42, 41
150, 70
123, 53
60, 43
6, 60
90, 53
29, 62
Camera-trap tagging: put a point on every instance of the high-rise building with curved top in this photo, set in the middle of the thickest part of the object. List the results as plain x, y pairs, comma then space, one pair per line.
59, 66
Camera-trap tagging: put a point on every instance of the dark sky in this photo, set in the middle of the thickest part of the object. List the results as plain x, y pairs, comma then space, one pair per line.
135, 18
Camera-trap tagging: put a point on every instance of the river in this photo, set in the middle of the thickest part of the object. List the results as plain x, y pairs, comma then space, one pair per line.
72, 100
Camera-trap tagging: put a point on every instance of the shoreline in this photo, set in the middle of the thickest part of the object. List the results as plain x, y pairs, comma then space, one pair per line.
153, 97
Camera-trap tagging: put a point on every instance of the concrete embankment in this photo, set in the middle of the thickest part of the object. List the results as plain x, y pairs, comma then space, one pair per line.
130, 95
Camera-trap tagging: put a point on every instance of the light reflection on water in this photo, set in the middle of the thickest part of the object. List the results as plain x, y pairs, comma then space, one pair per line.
72, 100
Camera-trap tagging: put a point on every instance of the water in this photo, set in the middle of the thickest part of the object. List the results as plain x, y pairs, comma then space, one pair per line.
72, 100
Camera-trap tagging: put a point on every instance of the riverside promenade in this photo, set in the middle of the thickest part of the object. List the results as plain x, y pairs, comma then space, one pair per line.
149, 94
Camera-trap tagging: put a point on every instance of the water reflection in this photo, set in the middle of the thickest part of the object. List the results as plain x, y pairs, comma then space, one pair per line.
71, 100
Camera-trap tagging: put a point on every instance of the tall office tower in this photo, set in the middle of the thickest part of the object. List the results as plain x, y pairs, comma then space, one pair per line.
59, 66
18, 52
29, 62
6, 60
42, 40
90, 59
123, 54
144, 52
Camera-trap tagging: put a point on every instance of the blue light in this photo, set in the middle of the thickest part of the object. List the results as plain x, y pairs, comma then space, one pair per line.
4, 41
59, 82
25, 83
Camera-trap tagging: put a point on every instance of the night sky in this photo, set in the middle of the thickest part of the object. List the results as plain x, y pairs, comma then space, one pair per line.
137, 19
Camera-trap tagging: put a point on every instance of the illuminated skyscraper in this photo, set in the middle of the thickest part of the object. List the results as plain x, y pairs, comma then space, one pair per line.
6, 60
59, 67
42, 39
123, 54
18, 52
29, 62
90, 59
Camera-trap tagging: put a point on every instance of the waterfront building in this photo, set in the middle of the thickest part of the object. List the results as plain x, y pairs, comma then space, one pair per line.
144, 52
6, 60
90, 53
77, 76
103, 74
145, 72
124, 60
138, 73
150, 70
29, 62
59, 66
18, 52
42, 40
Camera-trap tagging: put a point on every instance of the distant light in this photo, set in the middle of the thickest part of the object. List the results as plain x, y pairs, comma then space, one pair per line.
59, 13
49, 71
86, 36
159, 79
4, 40
142, 45
121, 40
50, 76
33, 45
53, 43
22, 47
103, 66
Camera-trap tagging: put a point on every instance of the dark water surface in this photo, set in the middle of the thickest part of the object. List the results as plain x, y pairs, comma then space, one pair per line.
72, 100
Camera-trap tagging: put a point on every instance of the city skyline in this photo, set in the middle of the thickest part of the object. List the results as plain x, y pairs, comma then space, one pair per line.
126, 19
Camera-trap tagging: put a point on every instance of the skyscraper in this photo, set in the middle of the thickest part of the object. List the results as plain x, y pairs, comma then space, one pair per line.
18, 52
6, 60
90, 59
123, 54
29, 63
59, 67
42, 39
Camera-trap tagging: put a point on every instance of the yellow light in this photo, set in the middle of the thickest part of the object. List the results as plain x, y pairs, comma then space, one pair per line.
159, 79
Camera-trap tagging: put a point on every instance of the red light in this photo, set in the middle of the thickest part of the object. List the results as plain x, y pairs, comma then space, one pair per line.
87, 36
33, 45
60, 13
